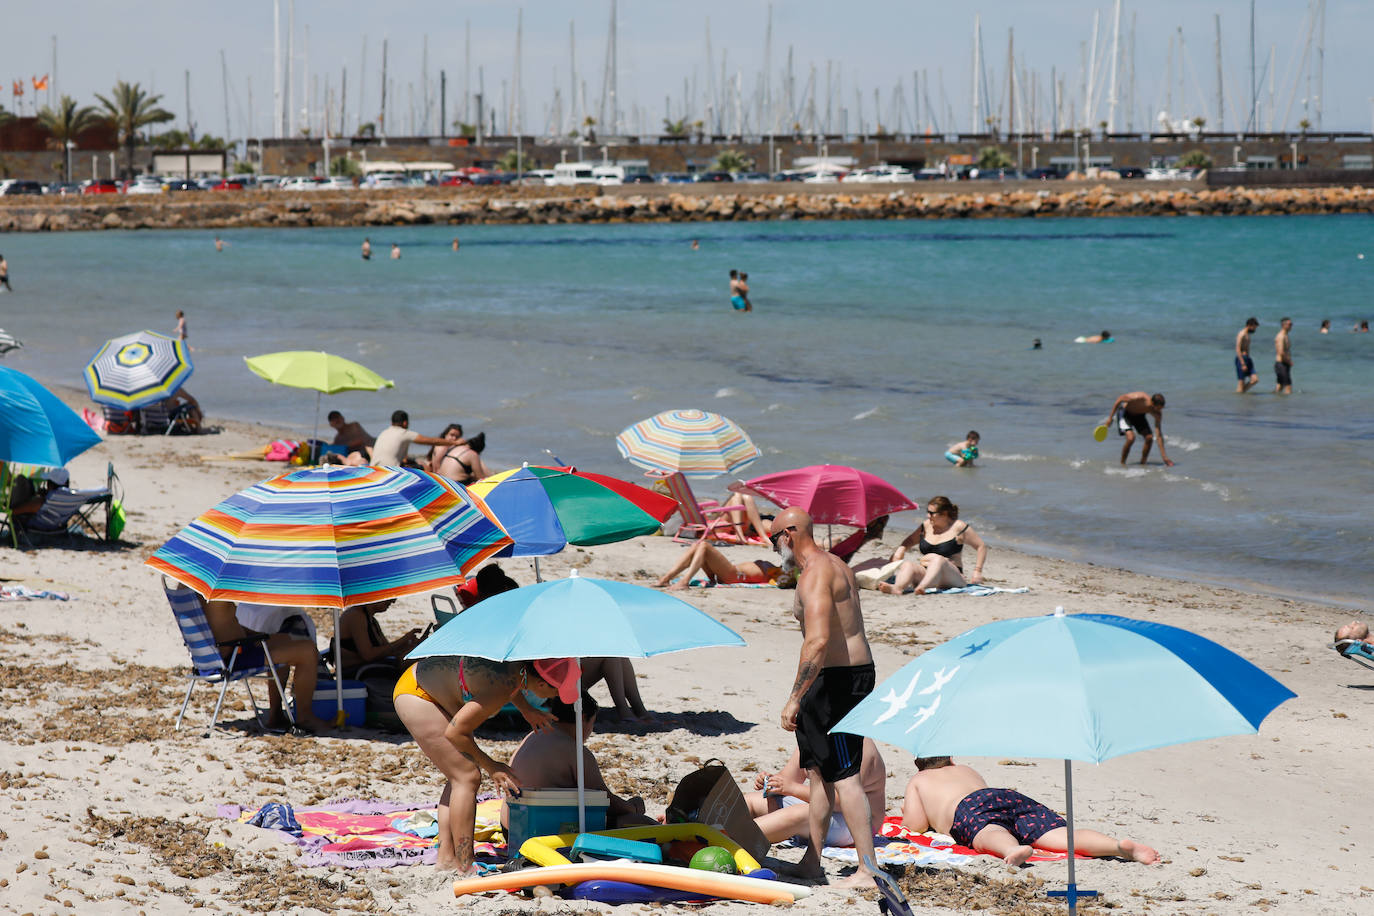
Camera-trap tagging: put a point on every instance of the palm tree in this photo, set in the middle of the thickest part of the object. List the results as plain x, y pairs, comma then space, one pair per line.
131, 109
65, 123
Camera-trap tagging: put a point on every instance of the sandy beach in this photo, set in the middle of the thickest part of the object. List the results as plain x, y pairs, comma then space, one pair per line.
107, 809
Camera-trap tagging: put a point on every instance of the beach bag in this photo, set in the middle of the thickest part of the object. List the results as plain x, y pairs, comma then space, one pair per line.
115, 524
280, 450
710, 796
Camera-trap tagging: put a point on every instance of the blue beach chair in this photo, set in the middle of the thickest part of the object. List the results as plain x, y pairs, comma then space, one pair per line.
1358, 651
207, 665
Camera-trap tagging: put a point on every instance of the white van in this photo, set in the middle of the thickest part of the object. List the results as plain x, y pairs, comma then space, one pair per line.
608, 175
568, 173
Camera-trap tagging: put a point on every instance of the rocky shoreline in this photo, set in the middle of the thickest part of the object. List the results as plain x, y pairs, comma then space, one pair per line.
654, 204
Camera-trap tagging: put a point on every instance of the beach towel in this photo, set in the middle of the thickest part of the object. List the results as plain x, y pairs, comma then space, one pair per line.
895, 845
698, 582
980, 591
24, 593
280, 450
94, 420
364, 834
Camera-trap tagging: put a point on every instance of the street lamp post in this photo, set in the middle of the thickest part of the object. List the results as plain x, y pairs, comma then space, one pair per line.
70, 145
1035, 152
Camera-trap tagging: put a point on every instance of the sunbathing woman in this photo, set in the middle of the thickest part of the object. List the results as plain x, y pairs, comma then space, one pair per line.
442, 700
460, 462
940, 539
701, 556
362, 641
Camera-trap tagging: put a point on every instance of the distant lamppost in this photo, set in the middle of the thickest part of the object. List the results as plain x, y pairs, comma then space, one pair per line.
1035, 152
1294, 146
70, 145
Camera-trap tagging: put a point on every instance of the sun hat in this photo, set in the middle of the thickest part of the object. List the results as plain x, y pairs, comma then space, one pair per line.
58, 476
563, 673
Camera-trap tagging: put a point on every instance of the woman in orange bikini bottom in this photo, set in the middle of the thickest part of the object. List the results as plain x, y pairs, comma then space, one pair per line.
702, 557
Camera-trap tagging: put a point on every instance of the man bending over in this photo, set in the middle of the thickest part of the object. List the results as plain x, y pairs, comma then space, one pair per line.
953, 799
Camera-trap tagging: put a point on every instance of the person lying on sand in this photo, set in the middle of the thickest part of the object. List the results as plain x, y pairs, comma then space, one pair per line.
781, 807
953, 799
548, 760
702, 557
1355, 629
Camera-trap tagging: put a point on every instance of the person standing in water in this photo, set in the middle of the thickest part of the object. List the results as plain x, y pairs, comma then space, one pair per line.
181, 325
395, 252
1283, 358
1246, 378
5, 274
367, 249
219, 244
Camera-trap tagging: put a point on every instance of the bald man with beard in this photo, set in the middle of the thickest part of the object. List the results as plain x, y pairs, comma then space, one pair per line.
834, 673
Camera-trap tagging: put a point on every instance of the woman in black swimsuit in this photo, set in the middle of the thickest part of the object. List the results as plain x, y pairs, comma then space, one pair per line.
460, 463
940, 540
363, 641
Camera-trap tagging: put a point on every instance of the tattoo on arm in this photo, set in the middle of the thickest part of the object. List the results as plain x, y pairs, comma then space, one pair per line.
806, 673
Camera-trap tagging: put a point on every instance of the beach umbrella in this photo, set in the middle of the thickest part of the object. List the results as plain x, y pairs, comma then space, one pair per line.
832, 494
9, 342
333, 536
324, 373
695, 443
35, 426
579, 617
545, 509
138, 370
1084, 675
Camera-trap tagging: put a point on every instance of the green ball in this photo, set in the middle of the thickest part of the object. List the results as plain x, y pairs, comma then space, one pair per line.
714, 858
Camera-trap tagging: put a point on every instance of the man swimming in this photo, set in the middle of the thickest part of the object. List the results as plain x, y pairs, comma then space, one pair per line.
1135, 409
955, 800
1245, 366
835, 671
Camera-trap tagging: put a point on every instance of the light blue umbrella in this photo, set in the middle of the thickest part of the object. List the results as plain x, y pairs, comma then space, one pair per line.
577, 617
1066, 686
36, 427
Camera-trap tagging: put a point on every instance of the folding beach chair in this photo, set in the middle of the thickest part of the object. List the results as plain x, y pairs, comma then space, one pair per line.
156, 419
1358, 651
208, 666
118, 421
704, 519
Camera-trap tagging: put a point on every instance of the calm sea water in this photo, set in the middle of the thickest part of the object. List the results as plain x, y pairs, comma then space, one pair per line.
872, 343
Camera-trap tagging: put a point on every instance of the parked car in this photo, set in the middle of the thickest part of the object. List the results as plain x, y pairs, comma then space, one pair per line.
14, 186
1131, 171
232, 183
145, 184
640, 178
63, 187
994, 174
1045, 173
708, 177
385, 180
457, 179
180, 184
675, 178
337, 183
788, 176
100, 186
750, 177
303, 183
490, 178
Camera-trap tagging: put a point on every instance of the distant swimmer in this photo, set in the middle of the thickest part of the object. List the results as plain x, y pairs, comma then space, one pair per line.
695, 245
1362, 329
181, 325
1245, 366
367, 249
1326, 326
736, 299
1283, 358
219, 243
395, 252
1132, 412
455, 244
1104, 337
744, 291
5, 274
963, 454
1036, 345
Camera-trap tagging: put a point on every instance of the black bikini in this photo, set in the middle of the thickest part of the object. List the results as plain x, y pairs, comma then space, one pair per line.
948, 549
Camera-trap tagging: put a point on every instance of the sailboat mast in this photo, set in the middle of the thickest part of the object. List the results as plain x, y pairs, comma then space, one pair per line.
1116, 66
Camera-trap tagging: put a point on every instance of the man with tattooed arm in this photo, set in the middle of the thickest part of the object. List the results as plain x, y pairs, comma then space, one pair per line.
835, 672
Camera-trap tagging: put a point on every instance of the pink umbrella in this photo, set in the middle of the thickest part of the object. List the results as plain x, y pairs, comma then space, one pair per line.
833, 494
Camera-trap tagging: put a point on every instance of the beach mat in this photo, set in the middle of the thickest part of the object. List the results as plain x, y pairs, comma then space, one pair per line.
24, 593
895, 845
373, 834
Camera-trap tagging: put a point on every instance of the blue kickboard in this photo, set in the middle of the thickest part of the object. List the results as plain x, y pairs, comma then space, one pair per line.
593, 846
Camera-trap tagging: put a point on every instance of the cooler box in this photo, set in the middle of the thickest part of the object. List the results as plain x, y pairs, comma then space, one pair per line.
545, 812
324, 703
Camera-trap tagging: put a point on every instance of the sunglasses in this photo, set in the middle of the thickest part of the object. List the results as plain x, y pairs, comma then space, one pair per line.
774, 537
932, 512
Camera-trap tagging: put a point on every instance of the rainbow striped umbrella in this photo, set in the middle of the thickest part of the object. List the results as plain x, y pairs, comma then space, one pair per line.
138, 370
695, 443
332, 537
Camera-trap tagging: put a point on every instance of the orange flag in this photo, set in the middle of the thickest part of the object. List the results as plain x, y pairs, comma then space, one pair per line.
18, 87
40, 84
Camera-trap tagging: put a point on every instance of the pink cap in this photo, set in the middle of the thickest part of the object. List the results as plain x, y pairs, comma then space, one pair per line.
563, 673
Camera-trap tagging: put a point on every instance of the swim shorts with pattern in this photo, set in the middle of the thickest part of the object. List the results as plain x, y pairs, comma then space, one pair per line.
1025, 818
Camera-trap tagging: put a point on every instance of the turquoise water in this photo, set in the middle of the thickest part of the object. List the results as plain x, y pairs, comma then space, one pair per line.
872, 343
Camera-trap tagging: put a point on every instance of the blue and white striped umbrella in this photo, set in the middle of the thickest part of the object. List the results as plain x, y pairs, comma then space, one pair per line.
1083, 687
138, 370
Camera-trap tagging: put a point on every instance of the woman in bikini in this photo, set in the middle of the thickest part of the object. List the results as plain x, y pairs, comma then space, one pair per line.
701, 556
363, 642
461, 463
442, 700
940, 540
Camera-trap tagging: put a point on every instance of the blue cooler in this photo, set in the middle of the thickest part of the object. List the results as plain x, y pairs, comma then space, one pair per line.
324, 704
545, 812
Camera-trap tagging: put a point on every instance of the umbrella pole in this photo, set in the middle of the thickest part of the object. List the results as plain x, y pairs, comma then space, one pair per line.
581, 783
1072, 893
537, 579
339, 717
314, 459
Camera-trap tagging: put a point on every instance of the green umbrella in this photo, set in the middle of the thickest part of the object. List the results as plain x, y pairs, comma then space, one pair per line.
315, 369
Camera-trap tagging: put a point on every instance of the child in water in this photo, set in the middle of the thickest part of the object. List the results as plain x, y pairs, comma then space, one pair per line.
963, 454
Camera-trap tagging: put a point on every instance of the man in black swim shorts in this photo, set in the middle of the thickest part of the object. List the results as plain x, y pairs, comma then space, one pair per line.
1131, 412
834, 673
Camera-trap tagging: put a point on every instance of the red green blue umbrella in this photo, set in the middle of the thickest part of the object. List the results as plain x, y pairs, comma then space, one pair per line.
545, 509
137, 370
695, 443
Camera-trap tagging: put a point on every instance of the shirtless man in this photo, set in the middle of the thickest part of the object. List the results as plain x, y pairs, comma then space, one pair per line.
834, 673
1283, 358
737, 300
1355, 629
954, 799
701, 556
780, 804
547, 760
350, 435
288, 651
1245, 365
1135, 409
367, 249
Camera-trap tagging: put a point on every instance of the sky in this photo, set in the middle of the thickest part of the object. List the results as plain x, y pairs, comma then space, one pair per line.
662, 61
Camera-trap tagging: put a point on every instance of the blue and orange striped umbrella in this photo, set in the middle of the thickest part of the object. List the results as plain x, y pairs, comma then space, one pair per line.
695, 443
334, 537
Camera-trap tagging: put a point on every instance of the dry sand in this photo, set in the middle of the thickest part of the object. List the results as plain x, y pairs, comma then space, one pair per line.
107, 809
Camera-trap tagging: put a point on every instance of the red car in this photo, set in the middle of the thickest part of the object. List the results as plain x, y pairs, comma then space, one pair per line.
228, 184
101, 186
454, 180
